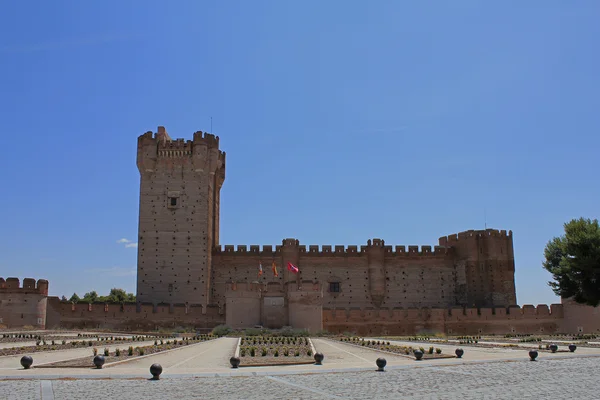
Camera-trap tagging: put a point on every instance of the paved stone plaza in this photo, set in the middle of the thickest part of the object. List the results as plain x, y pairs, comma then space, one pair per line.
348, 372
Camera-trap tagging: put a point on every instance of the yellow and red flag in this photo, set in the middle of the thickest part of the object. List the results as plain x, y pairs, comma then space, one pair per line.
275, 269
260, 270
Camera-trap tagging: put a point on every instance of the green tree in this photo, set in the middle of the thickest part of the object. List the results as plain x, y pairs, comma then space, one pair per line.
74, 298
117, 295
573, 259
90, 297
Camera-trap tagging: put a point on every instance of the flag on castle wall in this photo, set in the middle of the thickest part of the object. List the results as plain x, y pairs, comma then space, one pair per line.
292, 268
275, 269
260, 270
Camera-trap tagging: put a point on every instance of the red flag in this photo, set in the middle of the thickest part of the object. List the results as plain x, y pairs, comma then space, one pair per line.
260, 270
275, 269
291, 267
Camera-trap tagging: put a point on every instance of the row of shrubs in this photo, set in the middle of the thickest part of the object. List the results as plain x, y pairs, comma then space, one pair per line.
136, 337
141, 351
199, 338
530, 339
53, 342
130, 351
274, 340
382, 345
286, 352
224, 330
20, 336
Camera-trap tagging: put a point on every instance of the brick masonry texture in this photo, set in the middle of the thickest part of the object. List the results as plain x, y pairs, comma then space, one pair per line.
463, 285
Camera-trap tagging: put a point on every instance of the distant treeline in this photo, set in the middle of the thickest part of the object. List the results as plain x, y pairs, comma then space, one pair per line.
115, 296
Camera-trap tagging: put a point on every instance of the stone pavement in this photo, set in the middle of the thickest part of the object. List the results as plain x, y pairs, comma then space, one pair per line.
558, 378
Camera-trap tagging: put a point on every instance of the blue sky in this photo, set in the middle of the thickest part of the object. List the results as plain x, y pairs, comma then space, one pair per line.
342, 121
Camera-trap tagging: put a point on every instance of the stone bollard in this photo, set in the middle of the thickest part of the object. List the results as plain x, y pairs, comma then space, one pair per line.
155, 370
235, 362
319, 358
26, 361
418, 355
553, 348
572, 348
99, 361
459, 352
533, 354
381, 363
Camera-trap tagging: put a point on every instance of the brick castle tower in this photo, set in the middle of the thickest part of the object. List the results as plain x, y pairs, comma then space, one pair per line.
180, 184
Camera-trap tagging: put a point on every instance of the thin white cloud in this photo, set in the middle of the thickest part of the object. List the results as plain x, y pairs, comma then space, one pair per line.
114, 271
128, 243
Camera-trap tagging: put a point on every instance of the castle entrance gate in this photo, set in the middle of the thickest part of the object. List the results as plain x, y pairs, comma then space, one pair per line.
274, 312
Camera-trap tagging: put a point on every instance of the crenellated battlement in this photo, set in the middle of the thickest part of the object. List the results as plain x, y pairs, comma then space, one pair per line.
554, 311
206, 139
120, 310
466, 235
160, 147
13, 285
337, 250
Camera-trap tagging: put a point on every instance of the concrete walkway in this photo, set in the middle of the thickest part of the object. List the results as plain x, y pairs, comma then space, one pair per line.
211, 359
10, 363
483, 353
204, 357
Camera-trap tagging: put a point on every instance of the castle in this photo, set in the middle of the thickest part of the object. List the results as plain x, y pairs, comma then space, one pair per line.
463, 285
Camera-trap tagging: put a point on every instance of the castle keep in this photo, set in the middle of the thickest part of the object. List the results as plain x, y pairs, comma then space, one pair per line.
180, 259
463, 285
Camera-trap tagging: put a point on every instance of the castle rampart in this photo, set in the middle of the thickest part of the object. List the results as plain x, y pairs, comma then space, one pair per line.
297, 303
23, 305
314, 250
457, 321
30, 286
464, 284
134, 316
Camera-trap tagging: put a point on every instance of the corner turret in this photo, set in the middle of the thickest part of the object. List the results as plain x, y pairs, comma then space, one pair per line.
485, 267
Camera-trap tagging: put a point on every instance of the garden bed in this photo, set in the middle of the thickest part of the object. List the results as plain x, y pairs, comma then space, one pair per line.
275, 350
129, 353
405, 351
78, 344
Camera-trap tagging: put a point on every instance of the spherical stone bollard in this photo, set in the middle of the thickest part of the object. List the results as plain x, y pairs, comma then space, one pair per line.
99, 361
459, 352
533, 354
26, 361
319, 358
381, 363
155, 370
572, 348
553, 348
235, 362
418, 355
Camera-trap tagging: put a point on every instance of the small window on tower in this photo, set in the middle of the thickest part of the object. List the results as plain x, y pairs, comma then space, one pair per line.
173, 201
334, 287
